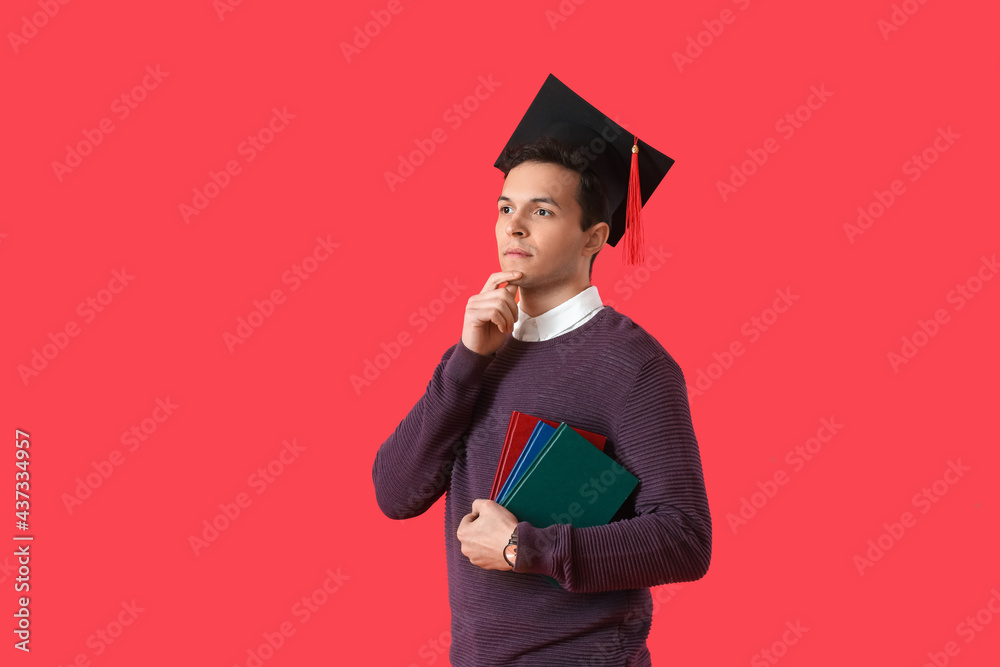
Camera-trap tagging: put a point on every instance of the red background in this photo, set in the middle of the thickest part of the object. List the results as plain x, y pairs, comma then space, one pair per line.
324, 175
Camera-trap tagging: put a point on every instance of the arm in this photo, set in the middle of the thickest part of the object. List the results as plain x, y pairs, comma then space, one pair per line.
670, 539
413, 466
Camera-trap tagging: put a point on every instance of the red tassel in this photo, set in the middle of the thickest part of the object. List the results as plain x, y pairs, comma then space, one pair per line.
633, 209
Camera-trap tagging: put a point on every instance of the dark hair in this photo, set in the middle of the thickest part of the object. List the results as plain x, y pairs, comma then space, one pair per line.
590, 193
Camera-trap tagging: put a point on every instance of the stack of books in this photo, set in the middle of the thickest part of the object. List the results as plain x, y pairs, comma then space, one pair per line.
553, 473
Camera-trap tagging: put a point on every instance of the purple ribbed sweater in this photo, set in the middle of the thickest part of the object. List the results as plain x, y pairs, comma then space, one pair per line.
608, 376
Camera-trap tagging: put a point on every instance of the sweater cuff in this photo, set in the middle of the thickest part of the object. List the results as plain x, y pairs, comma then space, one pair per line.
538, 548
465, 366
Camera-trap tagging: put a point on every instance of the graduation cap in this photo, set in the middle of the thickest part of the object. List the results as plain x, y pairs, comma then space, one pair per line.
629, 169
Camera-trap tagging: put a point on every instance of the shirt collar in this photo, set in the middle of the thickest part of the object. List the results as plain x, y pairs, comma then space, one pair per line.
558, 319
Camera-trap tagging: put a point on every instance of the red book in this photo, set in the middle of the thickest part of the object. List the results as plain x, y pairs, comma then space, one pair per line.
518, 431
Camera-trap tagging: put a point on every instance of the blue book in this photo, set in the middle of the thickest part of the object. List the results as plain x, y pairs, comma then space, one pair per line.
536, 442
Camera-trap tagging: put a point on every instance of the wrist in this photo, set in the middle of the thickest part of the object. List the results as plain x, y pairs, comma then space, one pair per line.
478, 347
510, 551
466, 366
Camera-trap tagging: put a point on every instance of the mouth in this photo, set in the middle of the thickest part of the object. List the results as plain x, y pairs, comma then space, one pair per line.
516, 253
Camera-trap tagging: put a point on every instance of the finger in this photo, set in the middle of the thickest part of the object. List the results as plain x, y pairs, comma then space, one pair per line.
512, 290
499, 320
506, 314
502, 313
492, 282
497, 312
496, 278
484, 312
509, 308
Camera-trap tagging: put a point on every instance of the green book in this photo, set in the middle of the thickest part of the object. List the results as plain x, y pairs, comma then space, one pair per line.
570, 481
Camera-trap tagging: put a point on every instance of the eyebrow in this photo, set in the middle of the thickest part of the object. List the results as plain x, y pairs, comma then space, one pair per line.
544, 200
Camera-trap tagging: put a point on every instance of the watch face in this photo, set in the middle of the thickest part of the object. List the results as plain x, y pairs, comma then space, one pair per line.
510, 554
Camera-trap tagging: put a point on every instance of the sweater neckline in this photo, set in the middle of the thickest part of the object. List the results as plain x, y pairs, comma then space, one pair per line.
516, 344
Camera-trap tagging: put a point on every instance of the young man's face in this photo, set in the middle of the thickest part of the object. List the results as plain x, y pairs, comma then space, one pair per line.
539, 215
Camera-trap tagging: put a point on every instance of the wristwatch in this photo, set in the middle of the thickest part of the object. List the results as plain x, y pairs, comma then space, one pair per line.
511, 549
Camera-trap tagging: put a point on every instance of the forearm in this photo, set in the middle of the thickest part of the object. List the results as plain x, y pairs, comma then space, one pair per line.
662, 547
413, 466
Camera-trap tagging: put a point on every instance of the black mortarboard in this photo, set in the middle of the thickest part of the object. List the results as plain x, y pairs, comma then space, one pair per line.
618, 158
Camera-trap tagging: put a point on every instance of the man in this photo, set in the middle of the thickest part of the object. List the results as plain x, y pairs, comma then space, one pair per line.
559, 354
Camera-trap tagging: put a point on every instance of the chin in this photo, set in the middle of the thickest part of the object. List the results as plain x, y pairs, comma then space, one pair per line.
509, 266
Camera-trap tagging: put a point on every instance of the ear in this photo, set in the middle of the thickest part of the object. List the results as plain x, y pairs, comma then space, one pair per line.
597, 236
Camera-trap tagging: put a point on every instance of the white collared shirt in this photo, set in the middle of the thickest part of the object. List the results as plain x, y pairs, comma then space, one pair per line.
565, 317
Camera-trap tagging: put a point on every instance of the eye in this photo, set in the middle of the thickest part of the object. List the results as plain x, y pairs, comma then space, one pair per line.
503, 209
545, 211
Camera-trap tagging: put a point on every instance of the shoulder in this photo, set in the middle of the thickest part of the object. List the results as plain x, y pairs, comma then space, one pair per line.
635, 341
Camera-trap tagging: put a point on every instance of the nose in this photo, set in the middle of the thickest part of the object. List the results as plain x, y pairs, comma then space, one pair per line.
516, 225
